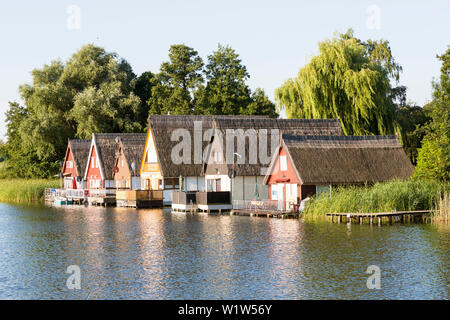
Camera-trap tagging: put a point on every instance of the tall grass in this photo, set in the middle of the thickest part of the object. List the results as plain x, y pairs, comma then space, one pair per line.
381, 197
442, 211
25, 190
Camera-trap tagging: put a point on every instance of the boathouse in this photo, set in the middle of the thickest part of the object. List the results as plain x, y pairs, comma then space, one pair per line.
130, 150
241, 169
165, 137
100, 163
74, 163
304, 166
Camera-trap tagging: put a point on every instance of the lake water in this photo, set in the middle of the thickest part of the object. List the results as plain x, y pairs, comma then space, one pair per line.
153, 254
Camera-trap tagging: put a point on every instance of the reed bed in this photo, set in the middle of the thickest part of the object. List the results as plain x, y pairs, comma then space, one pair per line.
442, 211
380, 197
25, 190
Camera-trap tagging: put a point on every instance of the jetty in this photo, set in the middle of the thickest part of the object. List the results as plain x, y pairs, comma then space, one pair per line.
265, 213
380, 217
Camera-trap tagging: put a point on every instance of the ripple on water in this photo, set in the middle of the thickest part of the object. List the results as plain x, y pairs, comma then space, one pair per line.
152, 254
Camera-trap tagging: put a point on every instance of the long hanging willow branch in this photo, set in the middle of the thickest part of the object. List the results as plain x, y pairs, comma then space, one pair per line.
348, 79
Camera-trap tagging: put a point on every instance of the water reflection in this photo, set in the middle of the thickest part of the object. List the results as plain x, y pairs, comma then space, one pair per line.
153, 254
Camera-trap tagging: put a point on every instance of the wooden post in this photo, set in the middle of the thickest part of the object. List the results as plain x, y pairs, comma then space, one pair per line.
360, 220
379, 221
339, 219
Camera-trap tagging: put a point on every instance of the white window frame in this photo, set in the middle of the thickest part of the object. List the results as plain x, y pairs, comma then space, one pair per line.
283, 163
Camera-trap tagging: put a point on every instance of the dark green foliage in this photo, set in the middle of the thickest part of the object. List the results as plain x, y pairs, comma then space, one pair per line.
95, 91
411, 119
180, 88
433, 160
91, 92
178, 79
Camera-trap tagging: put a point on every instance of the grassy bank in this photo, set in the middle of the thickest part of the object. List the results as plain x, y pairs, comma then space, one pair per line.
25, 190
381, 197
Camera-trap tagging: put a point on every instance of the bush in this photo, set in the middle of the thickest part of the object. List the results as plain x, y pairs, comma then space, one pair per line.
25, 190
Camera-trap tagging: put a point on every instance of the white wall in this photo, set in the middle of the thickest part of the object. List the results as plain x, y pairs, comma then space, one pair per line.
244, 188
190, 183
224, 181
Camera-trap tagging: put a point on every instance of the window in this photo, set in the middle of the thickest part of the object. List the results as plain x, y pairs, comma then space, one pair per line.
94, 183
283, 163
210, 185
93, 162
151, 156
69, 165
218, 185
97, 163
168, 183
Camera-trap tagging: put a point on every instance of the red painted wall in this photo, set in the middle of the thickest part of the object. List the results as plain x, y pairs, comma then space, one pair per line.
72, 172
94, 173
277, 174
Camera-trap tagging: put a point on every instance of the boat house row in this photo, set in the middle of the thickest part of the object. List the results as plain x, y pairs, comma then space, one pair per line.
246, 158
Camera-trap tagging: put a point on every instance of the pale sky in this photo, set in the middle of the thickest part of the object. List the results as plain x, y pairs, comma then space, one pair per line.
274, 38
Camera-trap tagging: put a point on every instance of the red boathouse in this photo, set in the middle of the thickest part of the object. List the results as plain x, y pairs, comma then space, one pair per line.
304, 166
75, 163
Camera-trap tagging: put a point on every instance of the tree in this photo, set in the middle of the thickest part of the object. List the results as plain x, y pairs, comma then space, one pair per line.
433, 160
91, 92
143, 89
104, 100
349, 79
411, 119
174, 87
260, 105
226, 91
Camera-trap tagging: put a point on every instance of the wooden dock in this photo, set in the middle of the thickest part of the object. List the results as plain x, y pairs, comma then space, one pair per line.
102, 201
265, 213
380, 217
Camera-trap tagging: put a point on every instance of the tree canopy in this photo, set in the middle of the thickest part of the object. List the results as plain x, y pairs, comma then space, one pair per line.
349, 79
185, 85
91, 92
96, 91
178, 79
433, 160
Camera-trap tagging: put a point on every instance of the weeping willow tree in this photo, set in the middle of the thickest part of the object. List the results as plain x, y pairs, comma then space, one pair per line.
349, 79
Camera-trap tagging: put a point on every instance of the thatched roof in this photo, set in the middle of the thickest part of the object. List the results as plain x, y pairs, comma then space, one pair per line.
80, 153
346, 159
107, 147
162, 127
331, 127
133, 146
